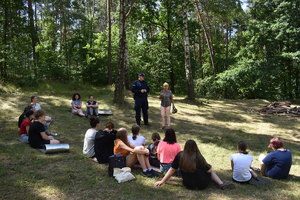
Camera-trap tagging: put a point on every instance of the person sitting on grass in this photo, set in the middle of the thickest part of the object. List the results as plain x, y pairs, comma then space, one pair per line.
89, 138
276, 164
135, 139
76, 105
104, 143
37, 135
133, 154
24, 128
22, 116
153, 150
241, 164
36, 106
167, 150
92, 106
196, 172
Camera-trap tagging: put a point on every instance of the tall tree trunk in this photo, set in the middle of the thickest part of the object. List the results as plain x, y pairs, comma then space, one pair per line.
201, 53
127, 78
4, 41
34, 37
169, 38
187, 57
120, 78
227, 49
109, 65
207, 36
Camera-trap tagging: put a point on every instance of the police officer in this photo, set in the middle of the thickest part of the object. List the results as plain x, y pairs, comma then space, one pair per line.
140, 89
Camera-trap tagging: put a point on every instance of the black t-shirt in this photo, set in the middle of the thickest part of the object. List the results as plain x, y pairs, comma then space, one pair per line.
35, 138
104, 145
199, 179
91, 103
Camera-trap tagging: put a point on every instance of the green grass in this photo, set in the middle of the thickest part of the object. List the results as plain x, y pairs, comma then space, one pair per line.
217, 126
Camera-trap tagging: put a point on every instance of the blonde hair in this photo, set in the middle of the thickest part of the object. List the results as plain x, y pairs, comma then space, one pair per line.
166, 84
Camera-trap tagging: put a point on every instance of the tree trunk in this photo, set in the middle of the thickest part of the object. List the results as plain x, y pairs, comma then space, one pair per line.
120, 78
109, 65
34, 37
127, 78
200, 54
207, 36
187, 59
5, 32
227, 49
169, 38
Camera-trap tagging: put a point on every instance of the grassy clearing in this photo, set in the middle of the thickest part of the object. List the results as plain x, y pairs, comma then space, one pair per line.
217, 126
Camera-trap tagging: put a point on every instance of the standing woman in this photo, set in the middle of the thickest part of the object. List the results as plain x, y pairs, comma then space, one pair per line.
166, 98
76, 105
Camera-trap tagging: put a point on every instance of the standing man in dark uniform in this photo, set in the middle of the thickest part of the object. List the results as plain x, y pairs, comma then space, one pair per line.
140, 89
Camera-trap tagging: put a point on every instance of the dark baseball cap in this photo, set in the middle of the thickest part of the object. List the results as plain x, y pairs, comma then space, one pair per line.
142, 74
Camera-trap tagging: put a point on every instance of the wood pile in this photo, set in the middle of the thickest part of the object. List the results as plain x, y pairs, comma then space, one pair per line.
280, 108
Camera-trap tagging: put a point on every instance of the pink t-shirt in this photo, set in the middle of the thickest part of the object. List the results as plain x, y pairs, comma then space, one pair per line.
167, 152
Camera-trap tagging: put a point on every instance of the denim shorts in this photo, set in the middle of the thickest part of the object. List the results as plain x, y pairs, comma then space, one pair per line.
24, 138
164, 167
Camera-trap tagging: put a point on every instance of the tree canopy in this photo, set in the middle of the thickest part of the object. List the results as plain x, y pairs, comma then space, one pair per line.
211, 48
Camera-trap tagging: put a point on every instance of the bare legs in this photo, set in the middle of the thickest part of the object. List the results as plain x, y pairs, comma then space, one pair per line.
144, 161
77, 112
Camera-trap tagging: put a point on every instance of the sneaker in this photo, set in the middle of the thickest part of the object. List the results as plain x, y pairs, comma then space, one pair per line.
153, 173
147, 174
53, 134
227, 186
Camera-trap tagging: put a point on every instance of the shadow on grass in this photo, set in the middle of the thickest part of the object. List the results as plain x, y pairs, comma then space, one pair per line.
27, 174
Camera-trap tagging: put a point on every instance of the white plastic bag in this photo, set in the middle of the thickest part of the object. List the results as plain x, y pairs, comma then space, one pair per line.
123, 175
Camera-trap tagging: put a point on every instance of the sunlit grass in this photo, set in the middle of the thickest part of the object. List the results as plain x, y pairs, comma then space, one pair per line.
216, 125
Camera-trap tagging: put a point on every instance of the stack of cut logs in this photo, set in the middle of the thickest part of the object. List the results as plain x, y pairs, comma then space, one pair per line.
280, 108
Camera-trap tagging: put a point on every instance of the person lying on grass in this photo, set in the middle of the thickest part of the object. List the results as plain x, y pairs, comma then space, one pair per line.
133, 154
276, 164
37, 134
89, 138
196, 172
25, 125
241, 164
135, 139
76, 105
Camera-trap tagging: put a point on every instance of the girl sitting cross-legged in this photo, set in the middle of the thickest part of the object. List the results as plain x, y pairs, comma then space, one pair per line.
133, 154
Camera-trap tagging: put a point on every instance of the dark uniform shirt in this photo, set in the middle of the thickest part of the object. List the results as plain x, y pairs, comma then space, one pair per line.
136, 88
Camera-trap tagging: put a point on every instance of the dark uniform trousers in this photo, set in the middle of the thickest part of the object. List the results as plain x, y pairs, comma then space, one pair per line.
141, 104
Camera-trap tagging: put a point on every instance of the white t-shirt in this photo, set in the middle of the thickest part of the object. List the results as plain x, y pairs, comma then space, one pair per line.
37, 107
89, 142
241, 166
139, 140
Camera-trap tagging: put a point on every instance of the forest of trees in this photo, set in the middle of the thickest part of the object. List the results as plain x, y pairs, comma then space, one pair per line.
211, 48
